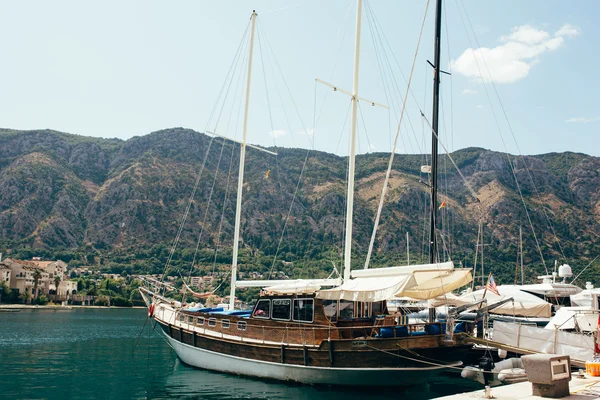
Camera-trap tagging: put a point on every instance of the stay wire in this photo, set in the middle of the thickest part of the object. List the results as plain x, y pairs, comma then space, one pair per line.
384, 41
299, 181
234, 62
229, 174
393, 152
208, 202
510, 162
549, 222
187, 210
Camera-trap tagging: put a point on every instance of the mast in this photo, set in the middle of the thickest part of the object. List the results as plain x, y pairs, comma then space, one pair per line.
238, 205
434, 141
351, 156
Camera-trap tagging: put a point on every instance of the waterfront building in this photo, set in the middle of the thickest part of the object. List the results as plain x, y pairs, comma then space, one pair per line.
22, 277
5, 275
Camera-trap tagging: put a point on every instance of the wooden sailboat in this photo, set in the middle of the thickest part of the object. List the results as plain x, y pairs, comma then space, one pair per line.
340, 336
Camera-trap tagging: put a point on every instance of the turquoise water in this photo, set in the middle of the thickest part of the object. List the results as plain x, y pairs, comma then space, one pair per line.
89, 354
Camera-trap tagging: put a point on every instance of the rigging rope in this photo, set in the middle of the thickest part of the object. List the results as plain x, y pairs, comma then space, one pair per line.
391, 161
510, 162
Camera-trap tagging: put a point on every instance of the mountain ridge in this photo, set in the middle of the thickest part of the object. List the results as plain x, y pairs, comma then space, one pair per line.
120, 201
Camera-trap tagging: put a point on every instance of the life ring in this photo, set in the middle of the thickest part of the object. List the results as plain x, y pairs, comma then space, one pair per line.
151, 310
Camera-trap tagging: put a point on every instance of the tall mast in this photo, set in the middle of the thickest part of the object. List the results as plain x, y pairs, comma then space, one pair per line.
434, 134
238, 205
351, 157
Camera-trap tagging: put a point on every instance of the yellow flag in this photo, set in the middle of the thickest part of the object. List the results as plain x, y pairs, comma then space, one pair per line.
267, 174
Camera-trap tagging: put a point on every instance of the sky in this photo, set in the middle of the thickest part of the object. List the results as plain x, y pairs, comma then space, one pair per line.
522, 80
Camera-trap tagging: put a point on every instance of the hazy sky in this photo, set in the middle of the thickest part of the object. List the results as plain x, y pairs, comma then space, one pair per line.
126, 68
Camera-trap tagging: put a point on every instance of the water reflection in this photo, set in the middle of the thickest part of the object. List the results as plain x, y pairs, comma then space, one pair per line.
88, 354
191, 383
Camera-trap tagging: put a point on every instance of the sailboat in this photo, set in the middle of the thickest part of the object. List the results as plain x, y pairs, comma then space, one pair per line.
299, 332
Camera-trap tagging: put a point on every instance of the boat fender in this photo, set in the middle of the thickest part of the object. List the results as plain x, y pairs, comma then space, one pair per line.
512, 375
151, 311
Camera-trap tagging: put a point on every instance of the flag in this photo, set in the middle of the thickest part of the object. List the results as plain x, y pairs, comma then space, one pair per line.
597, 344
442, 205
267, 174
491, 286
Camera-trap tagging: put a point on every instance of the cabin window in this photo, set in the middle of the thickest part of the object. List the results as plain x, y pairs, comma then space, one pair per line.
331, 308
281, 309
377, 308
225, 324
200, 321
242, 325
346, 309
263, 309
190, 320
360, 309
303, 310
181, 317
212, 322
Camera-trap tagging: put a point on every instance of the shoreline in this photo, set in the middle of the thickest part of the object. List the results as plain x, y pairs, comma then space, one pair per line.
58, 307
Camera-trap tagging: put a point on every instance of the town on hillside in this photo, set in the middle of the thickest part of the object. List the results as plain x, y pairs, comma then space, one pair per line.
41, 282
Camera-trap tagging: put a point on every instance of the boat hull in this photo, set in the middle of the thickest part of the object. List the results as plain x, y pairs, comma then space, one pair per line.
206, 359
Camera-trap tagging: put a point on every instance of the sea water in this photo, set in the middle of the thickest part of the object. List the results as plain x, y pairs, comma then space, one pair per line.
119, 354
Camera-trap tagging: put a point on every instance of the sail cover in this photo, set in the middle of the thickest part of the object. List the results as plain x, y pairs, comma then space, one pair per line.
386, 283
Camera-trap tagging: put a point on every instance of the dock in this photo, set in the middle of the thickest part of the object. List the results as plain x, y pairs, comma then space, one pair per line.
517, 350
581, 388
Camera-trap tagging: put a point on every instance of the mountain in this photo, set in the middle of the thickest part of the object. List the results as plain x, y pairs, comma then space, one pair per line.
120, 203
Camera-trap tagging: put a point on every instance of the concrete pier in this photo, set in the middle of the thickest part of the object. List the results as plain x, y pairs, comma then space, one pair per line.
580, 388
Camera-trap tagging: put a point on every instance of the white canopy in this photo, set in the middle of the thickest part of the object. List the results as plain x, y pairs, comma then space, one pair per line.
524, 304
586, 298
566, 317
385, 283
552, 289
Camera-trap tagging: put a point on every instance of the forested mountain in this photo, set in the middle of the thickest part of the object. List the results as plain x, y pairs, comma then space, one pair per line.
119, 204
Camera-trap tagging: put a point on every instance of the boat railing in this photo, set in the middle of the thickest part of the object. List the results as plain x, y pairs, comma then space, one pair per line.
306, 335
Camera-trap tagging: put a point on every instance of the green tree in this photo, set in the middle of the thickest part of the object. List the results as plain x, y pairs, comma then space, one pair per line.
37, 275
25, 297
4, 292
56, 282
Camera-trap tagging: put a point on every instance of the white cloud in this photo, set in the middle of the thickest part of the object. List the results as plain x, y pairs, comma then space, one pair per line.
309, 132
277, 133
512, 60
526, 34
469, 91
568, 30
581, 120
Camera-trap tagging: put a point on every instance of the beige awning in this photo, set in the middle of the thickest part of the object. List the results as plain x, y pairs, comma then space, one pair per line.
370, 289
431, 284
388, 283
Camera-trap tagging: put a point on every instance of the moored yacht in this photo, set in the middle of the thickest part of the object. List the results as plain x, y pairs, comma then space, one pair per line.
296, 332
344, 335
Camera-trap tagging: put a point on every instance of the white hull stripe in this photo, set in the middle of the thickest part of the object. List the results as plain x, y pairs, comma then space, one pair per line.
202, 358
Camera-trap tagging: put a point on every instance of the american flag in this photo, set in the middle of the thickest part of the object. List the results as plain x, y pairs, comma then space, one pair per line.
491, 286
